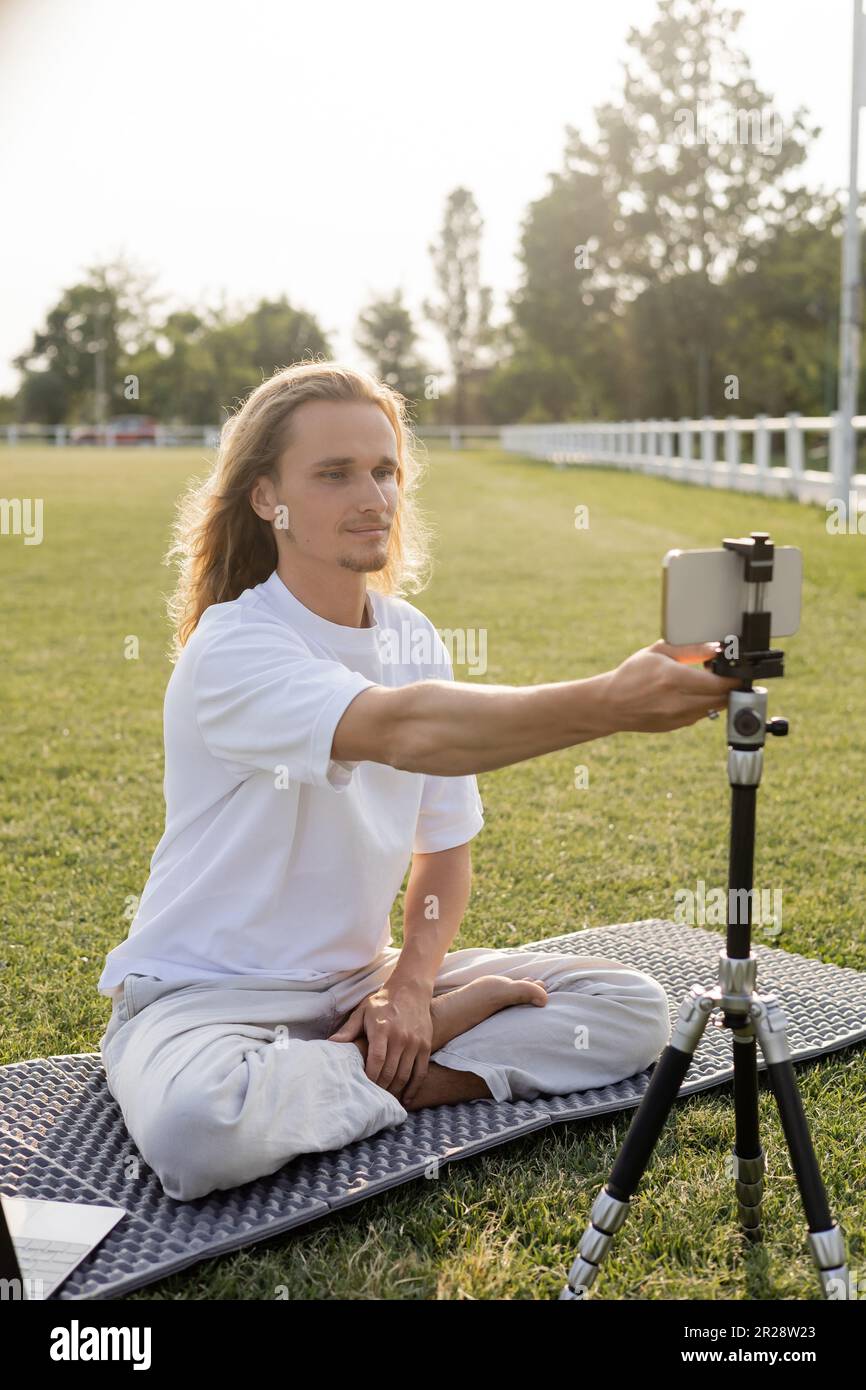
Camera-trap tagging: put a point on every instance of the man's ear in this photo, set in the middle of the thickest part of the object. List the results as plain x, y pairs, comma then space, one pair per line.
262, 497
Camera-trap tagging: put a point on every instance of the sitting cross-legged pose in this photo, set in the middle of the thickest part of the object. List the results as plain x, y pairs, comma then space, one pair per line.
317, 746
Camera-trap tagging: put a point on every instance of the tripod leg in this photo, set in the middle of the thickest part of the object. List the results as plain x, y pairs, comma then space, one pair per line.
825, 1236
748, 1155
610, 1207
738, 968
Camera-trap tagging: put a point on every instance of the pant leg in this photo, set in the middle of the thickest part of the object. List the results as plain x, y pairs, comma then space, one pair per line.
220, 1084
603, 1021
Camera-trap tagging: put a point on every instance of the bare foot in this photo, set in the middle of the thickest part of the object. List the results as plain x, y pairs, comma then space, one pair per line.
459, 1009
453, 1013
440, 1086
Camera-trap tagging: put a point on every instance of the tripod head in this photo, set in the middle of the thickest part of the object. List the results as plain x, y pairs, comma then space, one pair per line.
753, 658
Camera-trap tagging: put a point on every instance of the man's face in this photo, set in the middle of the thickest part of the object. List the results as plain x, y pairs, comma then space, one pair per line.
338, 481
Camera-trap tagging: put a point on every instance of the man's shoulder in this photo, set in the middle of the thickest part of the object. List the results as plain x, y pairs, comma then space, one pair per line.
242, 623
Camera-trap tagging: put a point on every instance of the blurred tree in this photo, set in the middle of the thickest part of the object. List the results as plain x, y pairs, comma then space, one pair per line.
688, 175
387, 337
779, 321
463, 311
103, 352
177, 373
200, 365
281, 335
562, 324
73, 369
532, 384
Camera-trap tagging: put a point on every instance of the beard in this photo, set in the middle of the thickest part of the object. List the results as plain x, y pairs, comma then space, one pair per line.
360, 565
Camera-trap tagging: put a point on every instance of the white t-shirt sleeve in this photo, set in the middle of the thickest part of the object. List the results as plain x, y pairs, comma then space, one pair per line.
265, 703
451, 810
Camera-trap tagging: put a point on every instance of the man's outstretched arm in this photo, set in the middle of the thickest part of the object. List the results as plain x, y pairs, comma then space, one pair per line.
451, 728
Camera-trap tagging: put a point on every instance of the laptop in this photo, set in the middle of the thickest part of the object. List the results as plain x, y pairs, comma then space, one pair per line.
41, 1242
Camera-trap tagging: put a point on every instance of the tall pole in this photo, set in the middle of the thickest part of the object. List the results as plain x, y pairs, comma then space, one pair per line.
99, 402
849, 317
102, 310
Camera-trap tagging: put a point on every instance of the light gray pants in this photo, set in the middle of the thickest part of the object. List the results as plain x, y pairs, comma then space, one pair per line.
223, 1081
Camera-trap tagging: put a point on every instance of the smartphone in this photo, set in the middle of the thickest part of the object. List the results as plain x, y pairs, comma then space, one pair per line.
704, 594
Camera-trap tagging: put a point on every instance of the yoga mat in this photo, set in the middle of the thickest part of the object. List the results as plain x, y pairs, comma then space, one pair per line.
62, 1135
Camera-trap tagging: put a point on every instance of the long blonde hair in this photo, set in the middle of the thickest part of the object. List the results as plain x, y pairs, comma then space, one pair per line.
224, 547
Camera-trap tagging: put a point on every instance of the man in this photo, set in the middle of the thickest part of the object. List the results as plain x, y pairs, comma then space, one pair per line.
260, 1010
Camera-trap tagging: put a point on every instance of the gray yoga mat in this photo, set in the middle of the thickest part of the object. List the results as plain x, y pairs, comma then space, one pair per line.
62, 1134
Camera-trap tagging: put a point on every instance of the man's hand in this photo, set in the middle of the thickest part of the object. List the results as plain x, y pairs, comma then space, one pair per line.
398, 1026
654, 690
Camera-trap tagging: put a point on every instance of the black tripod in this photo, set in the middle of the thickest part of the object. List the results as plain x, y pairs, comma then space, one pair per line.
747, 1014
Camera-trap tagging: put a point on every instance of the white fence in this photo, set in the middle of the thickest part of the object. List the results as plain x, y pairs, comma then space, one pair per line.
786, 456
164, 436
708, 452
208, 435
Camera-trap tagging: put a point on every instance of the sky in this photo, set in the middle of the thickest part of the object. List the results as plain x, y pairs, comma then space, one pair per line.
307, 149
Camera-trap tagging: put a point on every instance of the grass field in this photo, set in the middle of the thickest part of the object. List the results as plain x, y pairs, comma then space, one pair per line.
82, 810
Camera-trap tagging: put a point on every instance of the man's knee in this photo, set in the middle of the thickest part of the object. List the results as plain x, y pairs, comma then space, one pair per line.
655, 1031
188, 1141
642, 993
304, 1097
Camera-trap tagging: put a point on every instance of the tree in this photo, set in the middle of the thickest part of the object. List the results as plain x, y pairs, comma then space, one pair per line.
463, 311
564, 316
281, 335
387, 337
532, 385
200, 365
689, 174
779, 321
176, 371
74, 368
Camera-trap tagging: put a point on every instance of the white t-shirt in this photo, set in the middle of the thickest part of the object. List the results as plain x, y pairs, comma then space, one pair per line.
277, 860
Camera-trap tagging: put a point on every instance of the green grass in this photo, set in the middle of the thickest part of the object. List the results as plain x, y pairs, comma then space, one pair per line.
82, 810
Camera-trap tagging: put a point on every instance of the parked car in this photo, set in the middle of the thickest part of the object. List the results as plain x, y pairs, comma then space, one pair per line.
121, 429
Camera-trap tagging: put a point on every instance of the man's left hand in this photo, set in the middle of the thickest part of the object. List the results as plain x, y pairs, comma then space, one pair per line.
397, 1023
